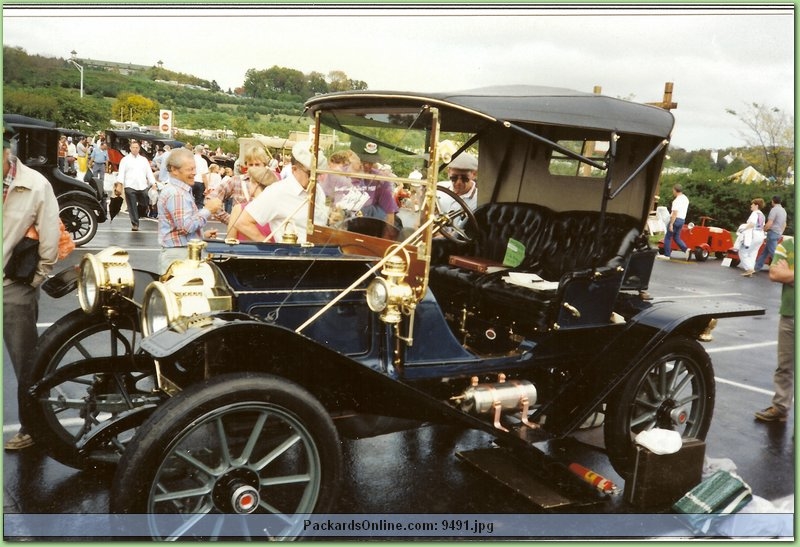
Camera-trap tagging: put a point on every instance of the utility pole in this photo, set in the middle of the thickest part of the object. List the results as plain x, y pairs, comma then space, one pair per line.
76, 65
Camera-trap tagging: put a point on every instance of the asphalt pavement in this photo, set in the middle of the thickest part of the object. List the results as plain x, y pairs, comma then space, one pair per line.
418, 471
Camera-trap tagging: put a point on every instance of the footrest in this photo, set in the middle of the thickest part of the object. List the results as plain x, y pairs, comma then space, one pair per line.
502, 465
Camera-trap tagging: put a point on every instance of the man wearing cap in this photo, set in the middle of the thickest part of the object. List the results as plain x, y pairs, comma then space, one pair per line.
461, 173
30, 209
380, 202
285, 203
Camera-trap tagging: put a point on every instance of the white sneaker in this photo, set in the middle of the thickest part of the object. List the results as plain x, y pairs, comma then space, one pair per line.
662, 257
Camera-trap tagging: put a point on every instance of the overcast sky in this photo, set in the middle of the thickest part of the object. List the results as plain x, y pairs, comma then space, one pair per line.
717, 58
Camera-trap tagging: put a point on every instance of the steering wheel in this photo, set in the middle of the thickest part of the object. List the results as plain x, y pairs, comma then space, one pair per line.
449, 229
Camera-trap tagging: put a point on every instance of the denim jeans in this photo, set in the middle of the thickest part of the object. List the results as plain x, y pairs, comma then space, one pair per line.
772, 244
675, 234
99, 172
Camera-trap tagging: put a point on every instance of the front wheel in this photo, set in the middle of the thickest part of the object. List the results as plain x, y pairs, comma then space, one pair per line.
672, 388
701, 254
79, 220
85, 372
238, 444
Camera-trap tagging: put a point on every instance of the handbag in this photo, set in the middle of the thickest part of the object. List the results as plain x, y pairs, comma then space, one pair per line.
23, 261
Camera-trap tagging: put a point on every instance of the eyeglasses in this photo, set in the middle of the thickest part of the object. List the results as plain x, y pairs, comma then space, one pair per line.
454, 178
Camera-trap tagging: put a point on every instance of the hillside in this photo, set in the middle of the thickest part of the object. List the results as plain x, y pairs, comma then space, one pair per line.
49, 88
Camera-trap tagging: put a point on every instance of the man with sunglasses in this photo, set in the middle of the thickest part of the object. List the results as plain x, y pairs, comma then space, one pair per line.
461, 173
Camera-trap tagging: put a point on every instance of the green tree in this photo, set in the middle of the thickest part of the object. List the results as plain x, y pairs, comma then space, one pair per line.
316, 83
129, 106
241, 127
770, 135
338, 81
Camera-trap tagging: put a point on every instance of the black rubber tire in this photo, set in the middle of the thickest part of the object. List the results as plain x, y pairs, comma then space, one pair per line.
678, 358
67, 341
719, 255
183, 426
700, 254
79, 220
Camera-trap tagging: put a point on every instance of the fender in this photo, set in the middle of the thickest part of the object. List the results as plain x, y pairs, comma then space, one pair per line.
84, 199
339, 382
94, 365
581, 396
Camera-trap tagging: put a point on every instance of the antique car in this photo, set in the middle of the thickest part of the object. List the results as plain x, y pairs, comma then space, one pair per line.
119, 142
703, 240
223, 387
81, 206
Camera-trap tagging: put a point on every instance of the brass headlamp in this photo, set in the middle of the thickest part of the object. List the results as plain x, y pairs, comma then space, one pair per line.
390, 294
101, 276
184, 297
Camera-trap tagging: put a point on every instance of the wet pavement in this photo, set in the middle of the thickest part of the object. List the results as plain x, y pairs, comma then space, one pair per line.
418, 471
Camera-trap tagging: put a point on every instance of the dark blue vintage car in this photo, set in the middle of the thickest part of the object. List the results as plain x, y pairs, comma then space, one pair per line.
255, 358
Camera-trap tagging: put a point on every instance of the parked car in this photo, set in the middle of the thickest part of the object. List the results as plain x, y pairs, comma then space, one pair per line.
703, 240
119, 144
230, 379
81, 205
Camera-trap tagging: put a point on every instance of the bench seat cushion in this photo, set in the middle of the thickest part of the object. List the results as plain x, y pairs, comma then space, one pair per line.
556, 244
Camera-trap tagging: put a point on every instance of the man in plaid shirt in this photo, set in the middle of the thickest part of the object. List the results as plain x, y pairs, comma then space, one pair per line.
179, 219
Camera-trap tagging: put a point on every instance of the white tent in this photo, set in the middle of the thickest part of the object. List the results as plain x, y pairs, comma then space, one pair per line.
747, 175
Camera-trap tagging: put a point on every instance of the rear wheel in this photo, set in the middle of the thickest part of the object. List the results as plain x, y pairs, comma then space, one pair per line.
673, 388
79, 220
237, 444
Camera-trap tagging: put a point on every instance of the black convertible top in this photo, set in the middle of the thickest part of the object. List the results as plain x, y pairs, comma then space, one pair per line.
522, 104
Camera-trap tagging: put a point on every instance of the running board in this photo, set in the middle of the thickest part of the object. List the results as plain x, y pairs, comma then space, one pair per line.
548, 493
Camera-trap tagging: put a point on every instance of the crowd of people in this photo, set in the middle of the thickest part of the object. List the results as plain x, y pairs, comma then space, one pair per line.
753, 254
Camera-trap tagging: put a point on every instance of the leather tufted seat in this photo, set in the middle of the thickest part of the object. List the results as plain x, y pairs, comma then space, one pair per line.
556, 245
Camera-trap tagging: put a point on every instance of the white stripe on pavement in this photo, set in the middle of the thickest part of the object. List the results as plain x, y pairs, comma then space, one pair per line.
743, 346
744, 386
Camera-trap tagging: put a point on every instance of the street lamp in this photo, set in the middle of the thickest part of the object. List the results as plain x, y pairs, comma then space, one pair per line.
79, 67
